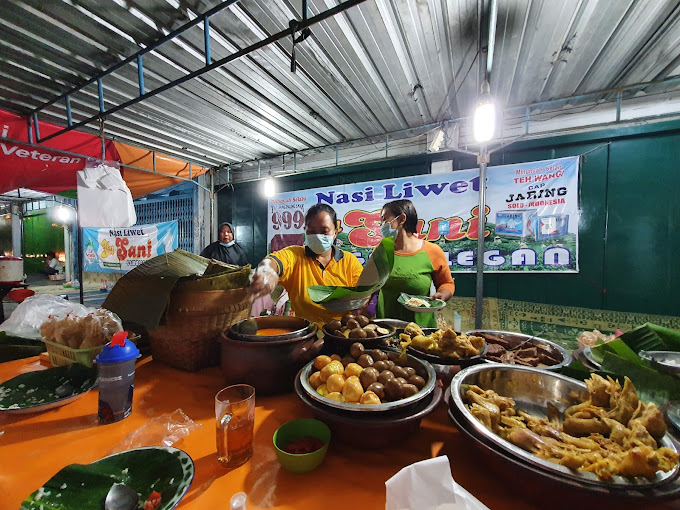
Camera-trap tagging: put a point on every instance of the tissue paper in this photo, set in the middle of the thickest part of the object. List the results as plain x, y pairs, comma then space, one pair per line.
428, 485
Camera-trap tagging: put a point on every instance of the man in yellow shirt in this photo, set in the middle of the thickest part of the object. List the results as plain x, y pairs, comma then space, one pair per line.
318, 262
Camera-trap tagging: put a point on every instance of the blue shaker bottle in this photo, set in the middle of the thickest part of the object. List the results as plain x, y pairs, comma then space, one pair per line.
116, 370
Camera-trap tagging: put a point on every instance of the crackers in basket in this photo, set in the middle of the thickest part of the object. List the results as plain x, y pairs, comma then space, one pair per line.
93, 330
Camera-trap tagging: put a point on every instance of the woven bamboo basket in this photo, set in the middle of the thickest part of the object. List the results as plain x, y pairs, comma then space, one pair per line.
194, 319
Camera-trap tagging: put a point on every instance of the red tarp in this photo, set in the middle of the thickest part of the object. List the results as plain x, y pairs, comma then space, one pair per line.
43, 170
40, 169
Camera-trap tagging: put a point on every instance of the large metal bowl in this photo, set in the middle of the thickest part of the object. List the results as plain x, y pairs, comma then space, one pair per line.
423, 369
533, 340
532, 389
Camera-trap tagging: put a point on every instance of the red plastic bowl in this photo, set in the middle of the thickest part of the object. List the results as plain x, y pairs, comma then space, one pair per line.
18, 295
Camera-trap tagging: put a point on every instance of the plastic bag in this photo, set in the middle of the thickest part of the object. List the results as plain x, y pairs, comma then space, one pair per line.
27, 318
163, 430
95, 329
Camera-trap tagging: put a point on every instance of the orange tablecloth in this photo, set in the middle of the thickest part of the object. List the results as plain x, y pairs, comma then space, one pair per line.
34, 447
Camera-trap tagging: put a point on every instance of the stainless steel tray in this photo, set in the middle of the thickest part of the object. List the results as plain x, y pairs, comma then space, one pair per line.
532, 389
422, 368
551, 346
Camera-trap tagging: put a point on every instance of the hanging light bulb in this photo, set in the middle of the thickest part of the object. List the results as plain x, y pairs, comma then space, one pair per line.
62, 214
484, 121
269, 186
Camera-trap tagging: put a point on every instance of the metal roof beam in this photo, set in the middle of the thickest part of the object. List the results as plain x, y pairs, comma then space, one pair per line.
133, 58
219, 63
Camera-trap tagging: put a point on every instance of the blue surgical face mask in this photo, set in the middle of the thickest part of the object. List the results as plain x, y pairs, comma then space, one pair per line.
227, 245
386, 230
319, 243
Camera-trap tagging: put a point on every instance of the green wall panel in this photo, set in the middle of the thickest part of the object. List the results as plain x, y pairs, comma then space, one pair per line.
40, 236
643, 247
628, 226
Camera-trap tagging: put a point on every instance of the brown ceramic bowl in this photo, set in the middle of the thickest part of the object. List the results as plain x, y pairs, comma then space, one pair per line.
269, 366
369, 431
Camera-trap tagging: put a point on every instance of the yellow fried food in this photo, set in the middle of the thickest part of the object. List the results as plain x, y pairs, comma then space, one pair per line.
335, 382
445, 343
334, 367
612, 433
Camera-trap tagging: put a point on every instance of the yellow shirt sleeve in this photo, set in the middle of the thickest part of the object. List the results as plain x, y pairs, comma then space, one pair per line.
285, 260
355, 268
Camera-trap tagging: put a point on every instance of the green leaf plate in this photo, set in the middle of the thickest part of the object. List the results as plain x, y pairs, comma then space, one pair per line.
44, 389
435, 304
168, 471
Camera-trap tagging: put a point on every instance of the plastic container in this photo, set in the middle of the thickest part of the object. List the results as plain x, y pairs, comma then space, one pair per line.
63, 355
116, 369
298, 429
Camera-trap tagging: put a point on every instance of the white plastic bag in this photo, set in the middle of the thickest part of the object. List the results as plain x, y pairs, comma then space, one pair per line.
104, 200
27, 318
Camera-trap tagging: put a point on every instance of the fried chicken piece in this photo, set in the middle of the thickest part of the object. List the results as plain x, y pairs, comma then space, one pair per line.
640, 461
493, 410
482, 414
584, 423
624, 405
652, 419
639, 436
529, 441
599, 390
412, 329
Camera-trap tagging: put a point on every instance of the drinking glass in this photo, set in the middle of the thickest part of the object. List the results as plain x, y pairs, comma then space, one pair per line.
234, 422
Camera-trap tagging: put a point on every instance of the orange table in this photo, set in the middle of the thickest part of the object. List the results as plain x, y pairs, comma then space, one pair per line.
34, 447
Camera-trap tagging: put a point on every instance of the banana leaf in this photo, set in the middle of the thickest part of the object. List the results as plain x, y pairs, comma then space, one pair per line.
643, 338
142, 295
238, 278
651, 386
373, 277
670, 337
618, 347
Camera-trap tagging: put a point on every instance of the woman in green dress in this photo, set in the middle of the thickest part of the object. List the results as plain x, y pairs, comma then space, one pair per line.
417, 265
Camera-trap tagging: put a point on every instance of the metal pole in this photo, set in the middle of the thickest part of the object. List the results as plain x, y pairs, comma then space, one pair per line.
212, 205
482, 159
80, 261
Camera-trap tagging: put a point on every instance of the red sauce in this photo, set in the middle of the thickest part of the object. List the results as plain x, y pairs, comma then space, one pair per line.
304, 445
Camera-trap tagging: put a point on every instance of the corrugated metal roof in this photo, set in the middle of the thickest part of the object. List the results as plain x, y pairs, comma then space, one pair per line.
383, 66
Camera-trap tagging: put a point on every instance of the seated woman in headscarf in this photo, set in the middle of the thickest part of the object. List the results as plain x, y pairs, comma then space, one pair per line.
226, 249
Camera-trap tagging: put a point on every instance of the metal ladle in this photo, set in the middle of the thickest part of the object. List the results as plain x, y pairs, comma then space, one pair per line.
121, 497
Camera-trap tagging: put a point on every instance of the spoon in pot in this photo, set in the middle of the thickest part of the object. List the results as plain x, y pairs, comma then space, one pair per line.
249, 325
121, 497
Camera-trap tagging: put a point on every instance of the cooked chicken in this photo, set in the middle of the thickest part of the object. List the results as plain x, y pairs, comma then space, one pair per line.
601, 439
